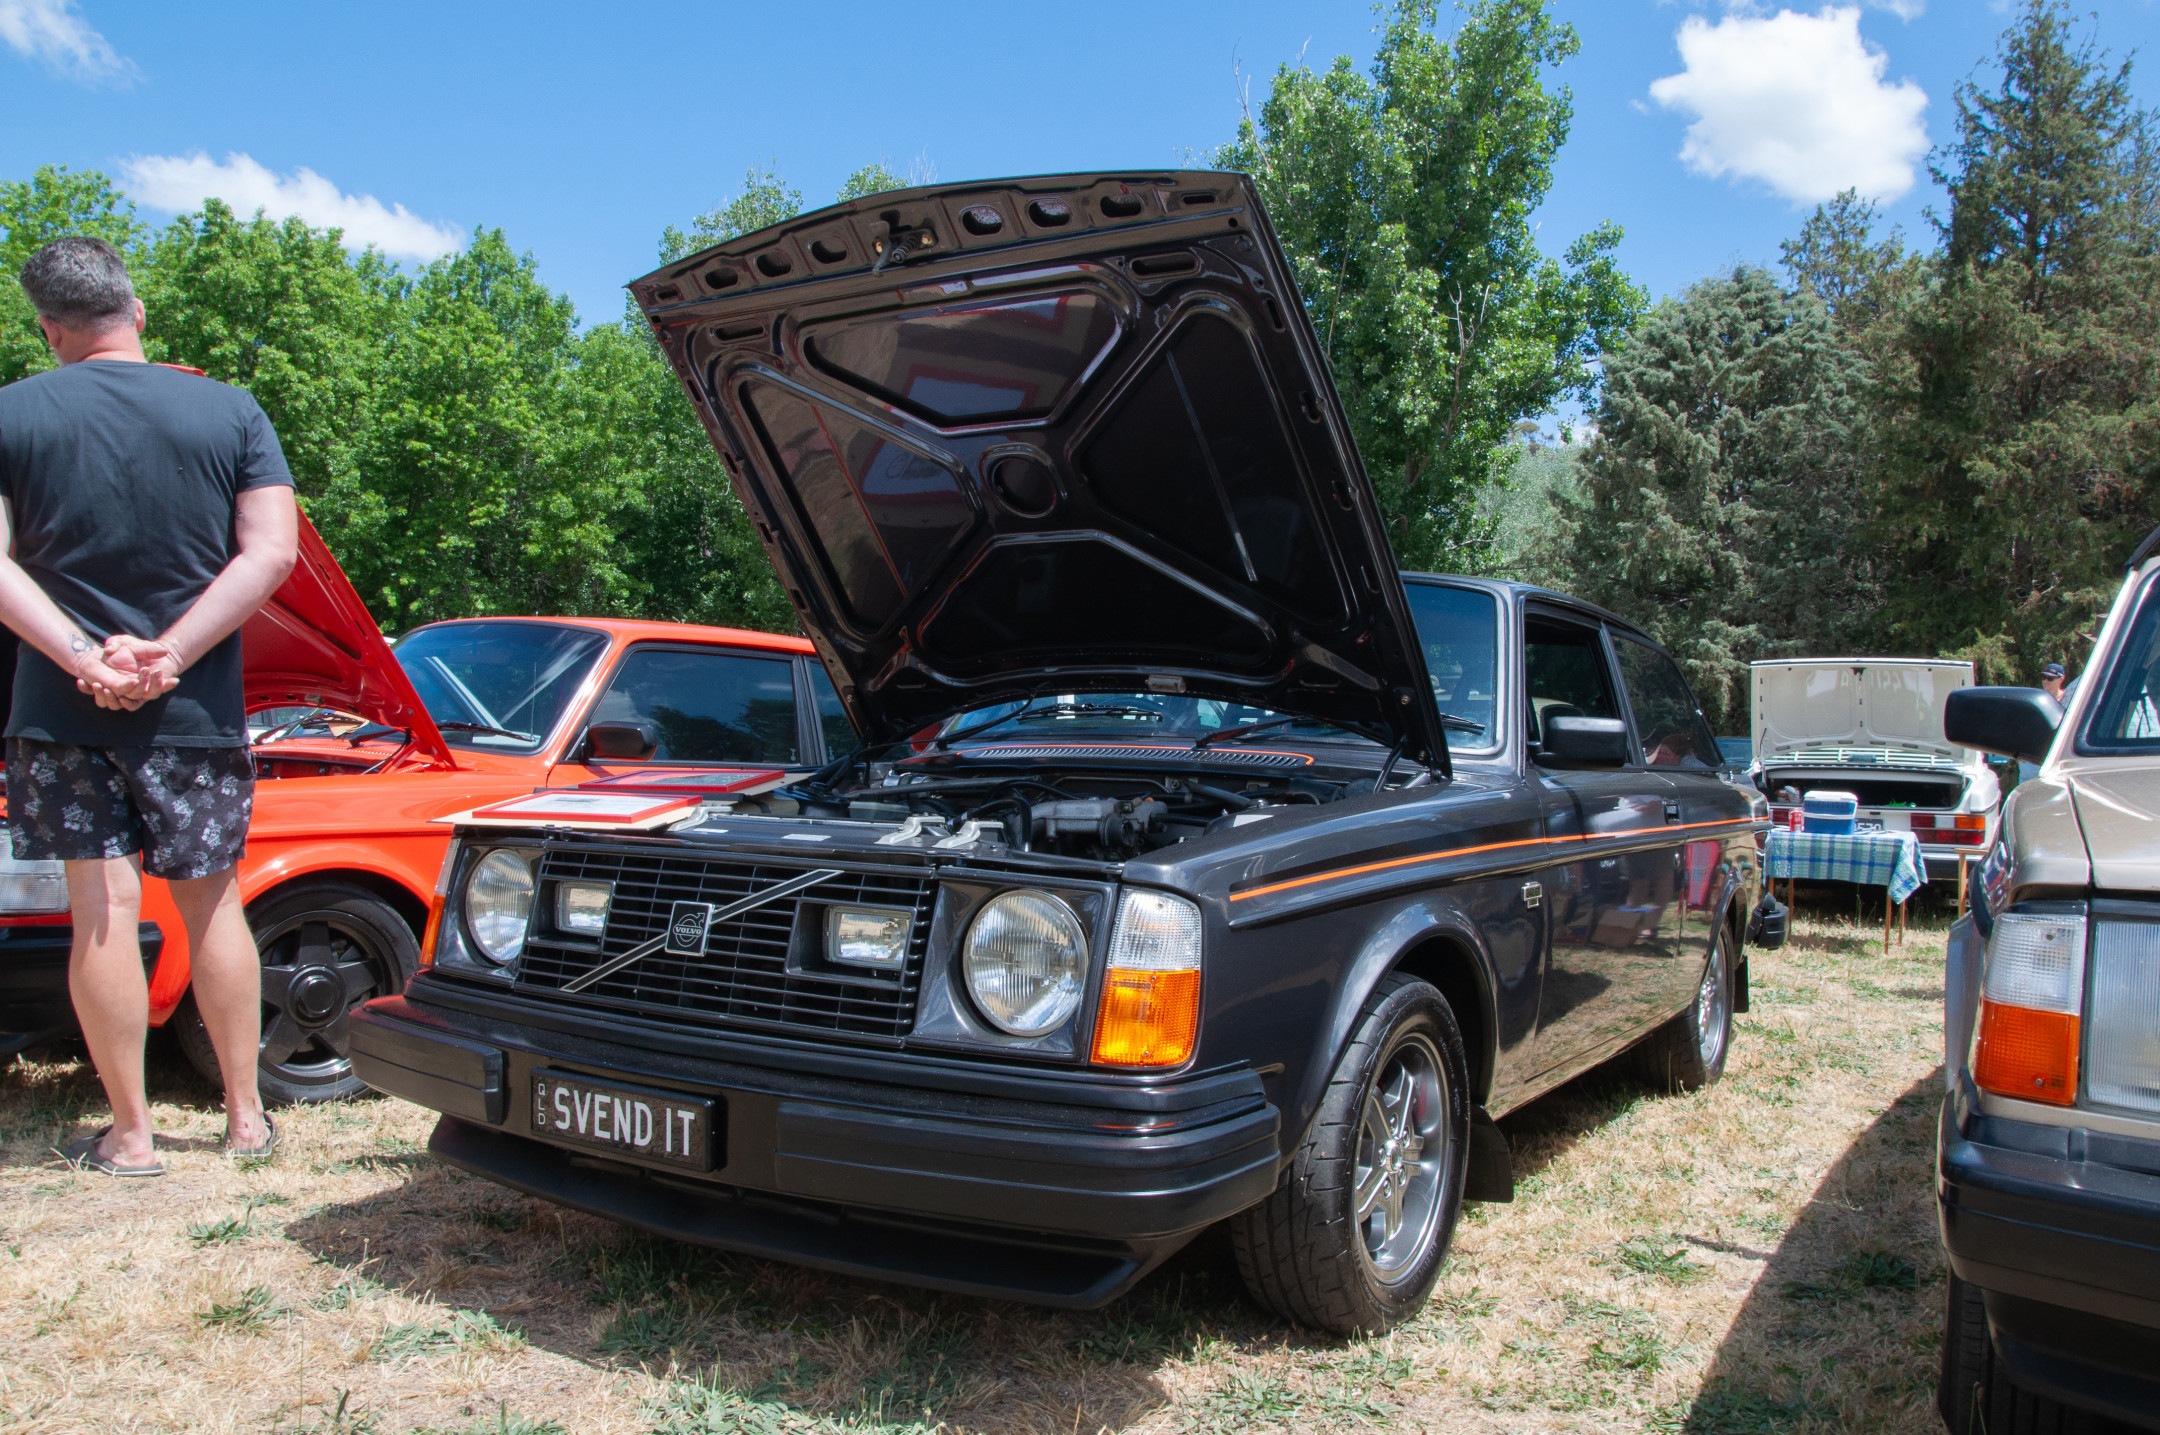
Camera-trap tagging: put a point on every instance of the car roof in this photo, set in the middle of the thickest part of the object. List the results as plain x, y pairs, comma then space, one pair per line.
1515, 591
646, 630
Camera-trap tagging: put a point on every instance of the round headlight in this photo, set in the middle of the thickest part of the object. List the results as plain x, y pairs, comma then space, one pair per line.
1026, 961
498, 905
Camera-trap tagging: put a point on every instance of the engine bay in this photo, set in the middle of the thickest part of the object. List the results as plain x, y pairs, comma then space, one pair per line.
1104, 816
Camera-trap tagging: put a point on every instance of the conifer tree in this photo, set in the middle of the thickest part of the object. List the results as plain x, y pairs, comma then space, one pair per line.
2025, 454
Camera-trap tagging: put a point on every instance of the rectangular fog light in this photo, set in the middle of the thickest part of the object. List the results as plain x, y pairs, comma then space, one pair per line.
875, 937
581, 908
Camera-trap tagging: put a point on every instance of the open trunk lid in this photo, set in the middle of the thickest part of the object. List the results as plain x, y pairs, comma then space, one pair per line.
1832, 710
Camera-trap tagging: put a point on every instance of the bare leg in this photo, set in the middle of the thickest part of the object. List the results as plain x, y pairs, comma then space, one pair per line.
228, 993
112, 999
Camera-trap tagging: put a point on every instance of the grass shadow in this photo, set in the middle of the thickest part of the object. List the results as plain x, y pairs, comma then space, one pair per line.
51, 1095
753, 1344
1841, 1330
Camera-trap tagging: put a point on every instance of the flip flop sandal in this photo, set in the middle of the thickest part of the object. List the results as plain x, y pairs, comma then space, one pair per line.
262, 1150
82, 1154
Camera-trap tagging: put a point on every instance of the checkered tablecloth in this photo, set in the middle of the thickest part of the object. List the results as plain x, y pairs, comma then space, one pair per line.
1876, 859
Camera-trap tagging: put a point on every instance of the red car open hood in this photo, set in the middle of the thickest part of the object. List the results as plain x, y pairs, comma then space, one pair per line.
315, 644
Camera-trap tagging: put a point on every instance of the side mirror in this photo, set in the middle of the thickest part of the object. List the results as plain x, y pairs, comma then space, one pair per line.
627, 741
2016, 723
1584, 742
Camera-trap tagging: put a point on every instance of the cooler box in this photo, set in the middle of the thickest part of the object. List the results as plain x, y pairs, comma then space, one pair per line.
1829, 812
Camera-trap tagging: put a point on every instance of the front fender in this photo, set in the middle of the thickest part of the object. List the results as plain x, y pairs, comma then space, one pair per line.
1431, 917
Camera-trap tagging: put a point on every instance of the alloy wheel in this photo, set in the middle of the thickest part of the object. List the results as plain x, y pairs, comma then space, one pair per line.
1712, 1017
1401, 1171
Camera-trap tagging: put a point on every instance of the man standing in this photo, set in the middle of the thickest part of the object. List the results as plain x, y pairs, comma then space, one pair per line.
2052, 679
148, 512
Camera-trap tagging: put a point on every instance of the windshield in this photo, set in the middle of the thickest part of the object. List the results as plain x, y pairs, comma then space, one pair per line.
2127, 717
1131, 717
501, 686
1459, 629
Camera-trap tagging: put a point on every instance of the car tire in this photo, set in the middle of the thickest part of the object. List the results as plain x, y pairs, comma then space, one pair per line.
1392, 1135
1975, 1397
1688, 1052
326, 946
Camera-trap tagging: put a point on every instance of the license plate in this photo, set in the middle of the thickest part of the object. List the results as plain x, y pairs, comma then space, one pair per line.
1868, 824
624, 1120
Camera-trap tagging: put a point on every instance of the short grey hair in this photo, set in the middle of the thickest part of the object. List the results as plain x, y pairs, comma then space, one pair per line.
79, 283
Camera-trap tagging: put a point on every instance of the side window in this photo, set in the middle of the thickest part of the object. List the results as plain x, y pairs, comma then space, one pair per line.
707, 706
1671, 727
1564, 672
832, 719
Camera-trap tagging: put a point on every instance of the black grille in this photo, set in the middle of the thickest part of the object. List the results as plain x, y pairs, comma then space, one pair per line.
743, 978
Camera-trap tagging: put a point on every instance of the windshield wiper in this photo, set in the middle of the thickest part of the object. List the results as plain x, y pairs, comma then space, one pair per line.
1452, 723
1266, 725
1058, 710
952, 737
481, 727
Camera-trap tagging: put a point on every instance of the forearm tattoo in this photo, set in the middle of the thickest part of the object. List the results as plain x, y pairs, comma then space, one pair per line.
77, 643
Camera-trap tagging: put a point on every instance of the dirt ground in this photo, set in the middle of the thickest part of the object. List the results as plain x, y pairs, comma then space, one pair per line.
1758, 1257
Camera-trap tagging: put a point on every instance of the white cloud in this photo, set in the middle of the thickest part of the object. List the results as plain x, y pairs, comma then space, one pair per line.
1796, 101
52, 31
181, 182
1903, 9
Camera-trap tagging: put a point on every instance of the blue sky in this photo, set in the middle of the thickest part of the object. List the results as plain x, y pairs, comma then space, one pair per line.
582, 130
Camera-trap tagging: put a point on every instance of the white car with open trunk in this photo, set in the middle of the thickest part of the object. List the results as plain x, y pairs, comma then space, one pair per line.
1874, 727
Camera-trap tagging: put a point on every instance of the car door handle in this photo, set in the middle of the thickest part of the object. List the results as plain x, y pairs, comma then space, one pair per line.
1672, 811
1533, 893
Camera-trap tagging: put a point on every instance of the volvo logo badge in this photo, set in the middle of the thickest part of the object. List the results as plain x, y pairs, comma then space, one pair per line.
686, 928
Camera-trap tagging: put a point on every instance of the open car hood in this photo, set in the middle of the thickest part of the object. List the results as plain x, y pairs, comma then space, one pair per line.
314, 644
1816, 703
1064, 434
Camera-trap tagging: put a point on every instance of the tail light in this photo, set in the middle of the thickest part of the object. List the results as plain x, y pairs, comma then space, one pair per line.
1967, 829
2027, 1043
1150, 1009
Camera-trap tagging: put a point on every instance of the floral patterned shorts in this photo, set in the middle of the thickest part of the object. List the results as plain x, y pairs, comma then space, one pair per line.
185, 809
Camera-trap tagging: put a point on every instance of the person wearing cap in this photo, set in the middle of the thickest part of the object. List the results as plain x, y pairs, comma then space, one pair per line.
2052, 678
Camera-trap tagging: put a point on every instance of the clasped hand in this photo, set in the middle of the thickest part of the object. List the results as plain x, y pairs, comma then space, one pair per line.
127, 672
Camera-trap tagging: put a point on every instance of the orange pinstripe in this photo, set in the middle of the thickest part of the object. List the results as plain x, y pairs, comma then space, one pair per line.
1359, 871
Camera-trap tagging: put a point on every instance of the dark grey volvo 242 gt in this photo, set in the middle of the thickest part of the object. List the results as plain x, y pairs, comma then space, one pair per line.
1195, 867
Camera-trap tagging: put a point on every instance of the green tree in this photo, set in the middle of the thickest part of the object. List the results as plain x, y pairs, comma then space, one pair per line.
282, 311
2026, 442
52, 203
1719, 503
765, 199
1404, 199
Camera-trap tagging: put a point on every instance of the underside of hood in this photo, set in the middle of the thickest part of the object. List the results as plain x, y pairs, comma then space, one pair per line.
1066, 434
1807, 705
314, 644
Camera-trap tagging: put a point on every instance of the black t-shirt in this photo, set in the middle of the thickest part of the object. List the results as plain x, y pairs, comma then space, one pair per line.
122, 479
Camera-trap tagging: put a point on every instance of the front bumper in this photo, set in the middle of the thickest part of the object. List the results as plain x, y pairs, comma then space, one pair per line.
34, 1002
2059, 1228
1058, 1187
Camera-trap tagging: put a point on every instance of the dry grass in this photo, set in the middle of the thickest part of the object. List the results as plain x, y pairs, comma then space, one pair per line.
1760, 1257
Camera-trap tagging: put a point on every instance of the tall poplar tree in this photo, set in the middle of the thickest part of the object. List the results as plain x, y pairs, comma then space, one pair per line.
1404, 199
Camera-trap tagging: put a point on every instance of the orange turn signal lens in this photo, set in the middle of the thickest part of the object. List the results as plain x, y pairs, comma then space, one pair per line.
1147, 1018
2031, 1055
430, 932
